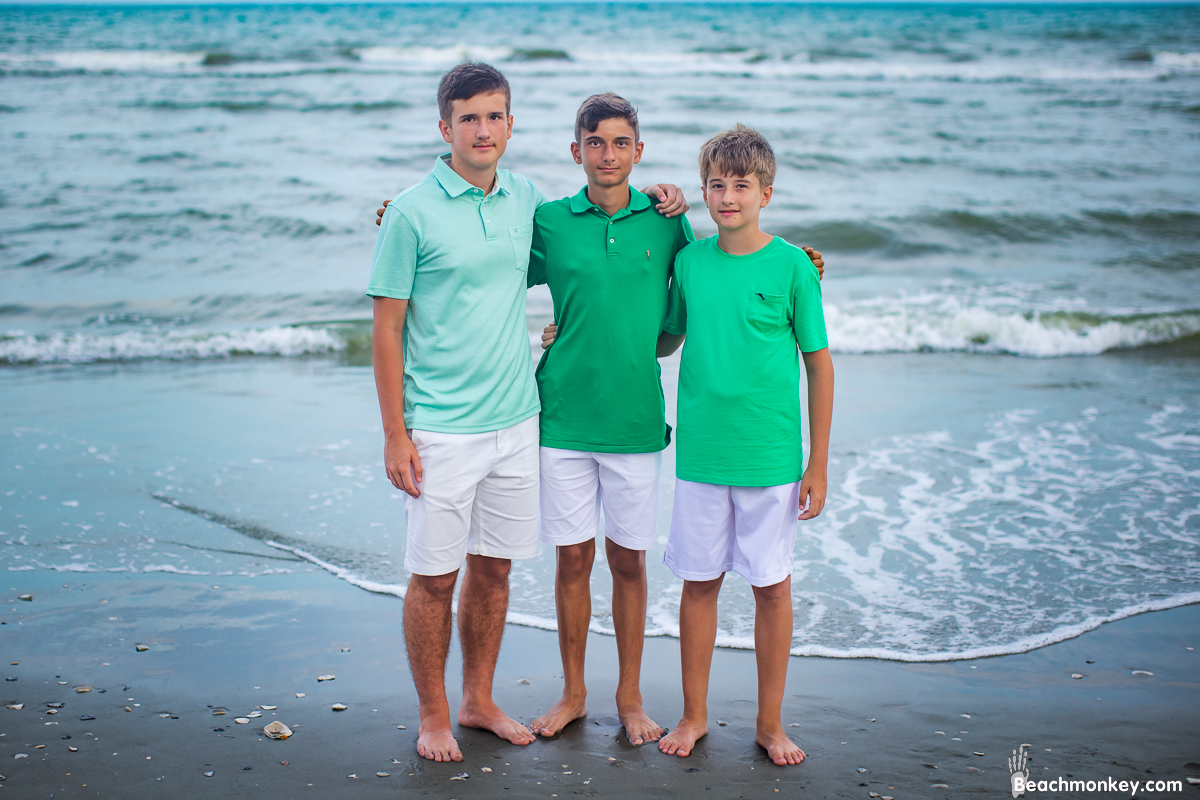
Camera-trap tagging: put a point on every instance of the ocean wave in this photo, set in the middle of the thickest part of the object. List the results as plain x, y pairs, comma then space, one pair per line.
895, 237
103, 61
431, 56
86, 347
978, 323
1178, 61
816, 65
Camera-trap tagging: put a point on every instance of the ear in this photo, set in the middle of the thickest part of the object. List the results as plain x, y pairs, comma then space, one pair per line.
766, 198
576, 153
510, 124
704, 193
444, 127
637, 152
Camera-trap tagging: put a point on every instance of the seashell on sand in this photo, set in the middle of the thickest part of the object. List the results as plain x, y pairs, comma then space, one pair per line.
277, 730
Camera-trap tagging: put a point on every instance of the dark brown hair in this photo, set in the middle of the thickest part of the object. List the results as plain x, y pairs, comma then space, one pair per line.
467, 80
600, 107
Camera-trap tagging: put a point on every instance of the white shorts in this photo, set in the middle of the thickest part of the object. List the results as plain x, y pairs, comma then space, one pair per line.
750, 530
577, 483
479, 495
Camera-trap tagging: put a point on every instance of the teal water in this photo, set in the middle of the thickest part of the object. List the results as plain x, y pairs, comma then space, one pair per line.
1005, 195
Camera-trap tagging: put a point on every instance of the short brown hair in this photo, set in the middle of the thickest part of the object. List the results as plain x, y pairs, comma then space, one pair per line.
738, 151
467, 80
600, 107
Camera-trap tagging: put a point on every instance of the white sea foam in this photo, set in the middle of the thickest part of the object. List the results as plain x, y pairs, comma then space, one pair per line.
905, 67
982, 322
793, 65
104, 60
21, 348
432, 56
1183, 62
341, 572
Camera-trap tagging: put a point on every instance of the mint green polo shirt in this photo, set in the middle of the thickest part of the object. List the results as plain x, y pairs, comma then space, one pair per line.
600, 382
460, 258
739, 378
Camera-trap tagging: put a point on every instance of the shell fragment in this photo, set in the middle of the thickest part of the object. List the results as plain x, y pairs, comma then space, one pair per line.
277, 730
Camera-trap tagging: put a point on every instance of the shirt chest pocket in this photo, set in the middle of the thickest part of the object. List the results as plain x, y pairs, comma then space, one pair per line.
765, 312
521, 237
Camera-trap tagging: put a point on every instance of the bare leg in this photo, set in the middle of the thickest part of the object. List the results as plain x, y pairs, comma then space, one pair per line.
772, 643
573, 604
628, 569
482, 607
427, 629
697, 637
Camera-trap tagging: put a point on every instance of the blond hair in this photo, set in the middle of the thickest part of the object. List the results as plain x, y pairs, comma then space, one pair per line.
739, 151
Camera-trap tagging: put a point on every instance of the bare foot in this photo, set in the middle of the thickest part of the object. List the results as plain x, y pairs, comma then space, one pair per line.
681, 740
564, 712
491, 718
780, 749
436, 742
638, 727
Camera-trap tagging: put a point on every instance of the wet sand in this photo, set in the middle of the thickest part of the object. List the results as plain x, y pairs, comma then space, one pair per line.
260, 641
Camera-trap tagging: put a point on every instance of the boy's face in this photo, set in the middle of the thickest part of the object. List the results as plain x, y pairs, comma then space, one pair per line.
478, 130
734, 200
608, 153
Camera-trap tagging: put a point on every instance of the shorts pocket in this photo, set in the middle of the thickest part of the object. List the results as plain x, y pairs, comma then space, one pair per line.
765, 312
522, 239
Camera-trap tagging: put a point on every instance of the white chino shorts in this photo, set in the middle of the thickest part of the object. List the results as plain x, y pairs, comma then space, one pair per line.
576, 484
479, 496
715, 529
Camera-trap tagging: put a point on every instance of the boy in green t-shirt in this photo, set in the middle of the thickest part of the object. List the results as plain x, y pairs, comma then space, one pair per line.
747, 301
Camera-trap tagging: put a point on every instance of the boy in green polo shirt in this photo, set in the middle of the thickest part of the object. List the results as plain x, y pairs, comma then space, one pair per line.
606, 256
747, 301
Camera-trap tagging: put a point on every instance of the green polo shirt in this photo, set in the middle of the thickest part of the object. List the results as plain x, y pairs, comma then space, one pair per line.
739, 378
599, 382
460, 258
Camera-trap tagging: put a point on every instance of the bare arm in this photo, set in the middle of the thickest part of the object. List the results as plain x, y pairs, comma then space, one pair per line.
668, 343
400, 457
813, 486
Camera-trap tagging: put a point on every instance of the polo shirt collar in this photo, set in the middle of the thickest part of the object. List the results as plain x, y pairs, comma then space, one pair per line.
580, 203
456, 185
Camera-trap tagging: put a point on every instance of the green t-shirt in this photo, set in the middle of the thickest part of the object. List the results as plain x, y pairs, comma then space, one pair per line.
459, 257
739, 379
599, 382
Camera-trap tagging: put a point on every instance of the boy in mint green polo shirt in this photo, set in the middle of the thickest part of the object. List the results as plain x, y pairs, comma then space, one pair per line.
747, 302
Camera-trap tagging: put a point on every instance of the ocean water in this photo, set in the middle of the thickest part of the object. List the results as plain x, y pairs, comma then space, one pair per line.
1006, 197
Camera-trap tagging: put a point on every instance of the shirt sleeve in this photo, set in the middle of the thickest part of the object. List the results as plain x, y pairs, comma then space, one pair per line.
394, 265
537, 257
676, 322
684, 234
808, 317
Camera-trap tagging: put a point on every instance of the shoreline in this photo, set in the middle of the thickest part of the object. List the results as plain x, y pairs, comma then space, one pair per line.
259, 641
